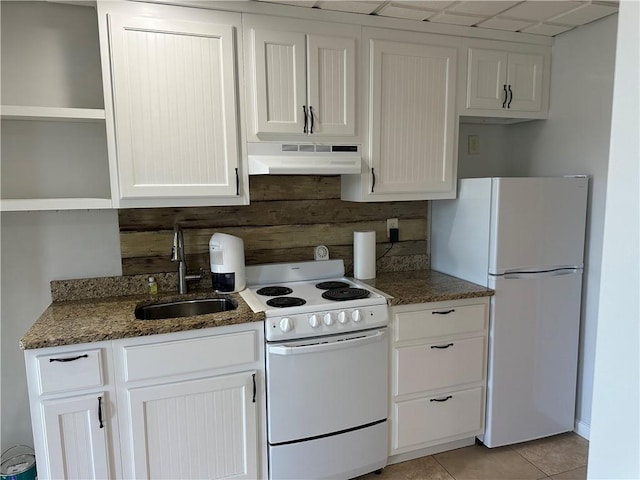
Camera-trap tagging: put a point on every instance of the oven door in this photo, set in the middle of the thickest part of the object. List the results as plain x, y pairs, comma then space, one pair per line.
324, 385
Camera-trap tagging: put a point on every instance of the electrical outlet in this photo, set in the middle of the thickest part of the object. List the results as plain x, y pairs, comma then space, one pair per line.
391, 223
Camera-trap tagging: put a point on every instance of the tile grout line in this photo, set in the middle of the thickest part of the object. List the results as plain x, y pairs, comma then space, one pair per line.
445, 468
546, 475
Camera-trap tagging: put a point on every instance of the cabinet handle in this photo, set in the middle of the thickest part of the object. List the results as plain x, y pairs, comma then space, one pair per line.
441, 399
304, 109
311, 116
442, 347
68, 359
443, 312
505, 96
253, 375
510, 97
373, 184
100, 412
237, 183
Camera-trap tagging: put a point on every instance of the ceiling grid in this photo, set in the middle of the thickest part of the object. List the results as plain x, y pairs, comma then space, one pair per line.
538, 17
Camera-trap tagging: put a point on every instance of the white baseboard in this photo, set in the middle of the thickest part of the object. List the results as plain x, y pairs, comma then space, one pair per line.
424, 452
583, 429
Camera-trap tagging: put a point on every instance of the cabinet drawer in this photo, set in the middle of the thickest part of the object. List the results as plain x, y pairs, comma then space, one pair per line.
437, 417
440, 321
73, 370
437, 365
189, 356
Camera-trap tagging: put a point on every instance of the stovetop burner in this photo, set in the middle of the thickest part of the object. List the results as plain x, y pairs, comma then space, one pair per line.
331, 285
282, 302
274, 291
341, 294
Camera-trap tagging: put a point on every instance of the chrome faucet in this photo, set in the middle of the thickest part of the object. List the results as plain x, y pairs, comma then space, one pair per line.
177, 255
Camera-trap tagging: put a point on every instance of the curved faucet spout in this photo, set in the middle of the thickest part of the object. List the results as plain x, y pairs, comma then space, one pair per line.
177, 255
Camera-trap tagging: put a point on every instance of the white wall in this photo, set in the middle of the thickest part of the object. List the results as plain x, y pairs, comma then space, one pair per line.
493, 159
38, 247
615, 429
575, 139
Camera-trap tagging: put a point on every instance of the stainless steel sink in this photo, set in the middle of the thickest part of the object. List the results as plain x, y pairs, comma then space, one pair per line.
184, 308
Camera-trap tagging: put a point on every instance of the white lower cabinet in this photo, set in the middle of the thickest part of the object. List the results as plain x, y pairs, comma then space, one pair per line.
76, 436
179, 405
438, 373
203, 428
73, 414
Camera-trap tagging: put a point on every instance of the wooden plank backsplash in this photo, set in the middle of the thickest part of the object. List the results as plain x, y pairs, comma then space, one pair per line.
288, 216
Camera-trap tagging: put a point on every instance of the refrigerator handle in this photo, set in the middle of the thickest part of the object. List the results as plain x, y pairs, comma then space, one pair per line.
540, 274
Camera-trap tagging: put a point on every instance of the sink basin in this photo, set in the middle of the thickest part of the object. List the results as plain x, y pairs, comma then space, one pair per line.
184, 308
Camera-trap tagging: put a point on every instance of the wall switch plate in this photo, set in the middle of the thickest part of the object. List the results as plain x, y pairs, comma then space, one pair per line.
391, 223
473, 144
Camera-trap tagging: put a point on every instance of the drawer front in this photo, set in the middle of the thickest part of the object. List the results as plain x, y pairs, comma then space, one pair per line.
433, 418
189, 356
440, 321
66, 371
438, 365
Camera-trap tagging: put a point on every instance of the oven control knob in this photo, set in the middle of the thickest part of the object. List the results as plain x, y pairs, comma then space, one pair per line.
313, 321
328, 320
286, 324
355, 316
342, 317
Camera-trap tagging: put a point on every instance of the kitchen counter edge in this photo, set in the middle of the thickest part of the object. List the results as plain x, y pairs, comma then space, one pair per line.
95, 320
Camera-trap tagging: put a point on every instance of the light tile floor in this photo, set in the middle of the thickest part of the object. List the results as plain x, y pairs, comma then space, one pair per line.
561, 457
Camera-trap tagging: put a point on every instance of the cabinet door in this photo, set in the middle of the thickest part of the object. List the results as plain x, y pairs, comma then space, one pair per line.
331, 83
487, 79
524, 77
412, 118
194, 429
175, 107
279, 81
76, 438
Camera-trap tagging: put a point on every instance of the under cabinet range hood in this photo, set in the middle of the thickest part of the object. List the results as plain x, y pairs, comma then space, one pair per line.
303, 159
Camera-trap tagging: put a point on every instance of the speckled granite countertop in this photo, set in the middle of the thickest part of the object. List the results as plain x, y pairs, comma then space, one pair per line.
108, 315
422, 286
94, 320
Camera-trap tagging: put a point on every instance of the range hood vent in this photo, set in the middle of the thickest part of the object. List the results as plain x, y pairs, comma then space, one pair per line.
303, 159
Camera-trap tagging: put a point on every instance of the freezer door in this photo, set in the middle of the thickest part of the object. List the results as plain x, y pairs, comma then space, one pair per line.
533, 355
537, 223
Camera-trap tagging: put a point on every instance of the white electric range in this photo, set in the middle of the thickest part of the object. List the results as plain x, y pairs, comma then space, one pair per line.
327, 369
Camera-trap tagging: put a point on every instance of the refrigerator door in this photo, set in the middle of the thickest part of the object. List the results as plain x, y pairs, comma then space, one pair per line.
460, 231
537, 223
533, 355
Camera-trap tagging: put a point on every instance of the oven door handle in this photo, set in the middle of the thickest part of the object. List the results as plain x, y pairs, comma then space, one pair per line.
325, 347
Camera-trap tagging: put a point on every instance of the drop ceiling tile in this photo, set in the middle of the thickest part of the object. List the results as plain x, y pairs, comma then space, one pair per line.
297, 3
584, 14
539, 10
350, 6
435, 5
546, 29
481, 7
453, 19
399, 11
497, 23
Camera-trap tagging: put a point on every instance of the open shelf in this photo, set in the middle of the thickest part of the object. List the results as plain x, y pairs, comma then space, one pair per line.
22, 112
27, 204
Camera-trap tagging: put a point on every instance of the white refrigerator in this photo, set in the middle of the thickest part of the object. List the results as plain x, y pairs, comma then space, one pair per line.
524, 238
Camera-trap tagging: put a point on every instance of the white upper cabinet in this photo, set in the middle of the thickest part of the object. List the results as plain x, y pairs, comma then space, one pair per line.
301, 79
412, 126
174, 105
507, 83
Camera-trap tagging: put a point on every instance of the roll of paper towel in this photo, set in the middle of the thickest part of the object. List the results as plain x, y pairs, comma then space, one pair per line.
364, 255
